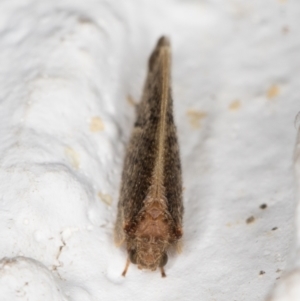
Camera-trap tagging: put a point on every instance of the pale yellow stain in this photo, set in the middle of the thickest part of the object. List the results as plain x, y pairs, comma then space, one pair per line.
273, 91
283, 1
73, 156
105, 198
232, 224
96, 124
195, 118
131, 101
235, 105
179, 247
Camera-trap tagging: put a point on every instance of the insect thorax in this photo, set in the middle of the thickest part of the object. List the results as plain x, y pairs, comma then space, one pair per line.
152, 235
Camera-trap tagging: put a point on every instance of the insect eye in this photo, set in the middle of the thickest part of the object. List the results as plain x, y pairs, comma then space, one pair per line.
163, 260
132, 256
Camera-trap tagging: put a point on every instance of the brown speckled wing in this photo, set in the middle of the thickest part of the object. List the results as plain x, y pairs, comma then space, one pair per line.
143, 149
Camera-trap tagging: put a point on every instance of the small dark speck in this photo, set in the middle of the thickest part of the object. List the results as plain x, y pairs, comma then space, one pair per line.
262, 272
278, 270
263, 206
250, 220
275, 228
277, 278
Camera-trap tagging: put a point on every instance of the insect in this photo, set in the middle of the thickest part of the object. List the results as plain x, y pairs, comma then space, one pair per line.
150, 209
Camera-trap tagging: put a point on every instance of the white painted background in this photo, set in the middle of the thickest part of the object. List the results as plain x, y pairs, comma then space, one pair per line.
69, 73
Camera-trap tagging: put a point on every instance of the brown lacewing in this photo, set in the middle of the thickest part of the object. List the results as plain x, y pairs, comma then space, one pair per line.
150, 208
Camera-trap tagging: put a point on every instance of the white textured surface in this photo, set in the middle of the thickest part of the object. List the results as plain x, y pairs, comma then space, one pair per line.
289, 287
25, 279
66, 70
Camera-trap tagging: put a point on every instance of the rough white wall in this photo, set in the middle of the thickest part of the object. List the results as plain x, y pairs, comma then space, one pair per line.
69, 71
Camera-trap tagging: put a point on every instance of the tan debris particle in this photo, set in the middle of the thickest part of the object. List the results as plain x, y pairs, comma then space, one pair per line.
73, 156
96, 124
131, 101
195, 118
273, 91
105, 198
233, 224
235, 105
